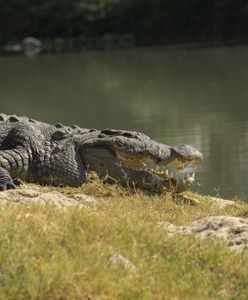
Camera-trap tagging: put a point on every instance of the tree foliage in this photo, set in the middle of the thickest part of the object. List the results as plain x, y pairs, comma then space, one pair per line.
149, 21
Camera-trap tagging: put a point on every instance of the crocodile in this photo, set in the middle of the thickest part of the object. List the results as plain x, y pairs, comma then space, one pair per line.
38, 152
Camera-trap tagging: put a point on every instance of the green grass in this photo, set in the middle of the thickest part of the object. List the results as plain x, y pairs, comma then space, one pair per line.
51, 253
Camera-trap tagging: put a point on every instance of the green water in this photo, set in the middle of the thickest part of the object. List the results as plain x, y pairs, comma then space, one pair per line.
194, 96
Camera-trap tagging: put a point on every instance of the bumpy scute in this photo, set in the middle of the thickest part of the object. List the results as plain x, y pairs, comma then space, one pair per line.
13, 119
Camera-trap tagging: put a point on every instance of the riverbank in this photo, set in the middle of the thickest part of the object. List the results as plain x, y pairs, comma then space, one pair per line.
105, 242
111, 42
73, 44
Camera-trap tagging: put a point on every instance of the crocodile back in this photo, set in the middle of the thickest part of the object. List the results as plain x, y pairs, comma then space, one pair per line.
14, 128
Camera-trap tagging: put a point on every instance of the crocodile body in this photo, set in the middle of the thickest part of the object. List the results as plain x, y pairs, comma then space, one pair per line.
60, 155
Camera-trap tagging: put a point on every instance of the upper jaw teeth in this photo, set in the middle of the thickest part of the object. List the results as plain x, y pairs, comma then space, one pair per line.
175, 169
164, 172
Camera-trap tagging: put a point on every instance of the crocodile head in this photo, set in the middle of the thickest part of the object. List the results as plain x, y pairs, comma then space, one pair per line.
137, 151
166, 162
162, 160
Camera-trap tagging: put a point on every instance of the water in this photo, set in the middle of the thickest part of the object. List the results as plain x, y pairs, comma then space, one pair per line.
194, 96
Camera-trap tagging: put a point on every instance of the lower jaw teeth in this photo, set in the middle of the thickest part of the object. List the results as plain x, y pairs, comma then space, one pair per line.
183, 184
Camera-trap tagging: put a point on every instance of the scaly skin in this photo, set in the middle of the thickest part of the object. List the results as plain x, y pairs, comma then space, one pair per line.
62, 155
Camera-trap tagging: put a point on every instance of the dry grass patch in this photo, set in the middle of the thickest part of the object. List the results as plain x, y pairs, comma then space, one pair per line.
48, 253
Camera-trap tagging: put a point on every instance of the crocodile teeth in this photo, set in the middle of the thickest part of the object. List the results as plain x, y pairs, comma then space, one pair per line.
191, 176
190, 179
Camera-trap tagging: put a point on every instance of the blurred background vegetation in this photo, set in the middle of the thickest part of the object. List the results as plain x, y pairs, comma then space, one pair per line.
142, 22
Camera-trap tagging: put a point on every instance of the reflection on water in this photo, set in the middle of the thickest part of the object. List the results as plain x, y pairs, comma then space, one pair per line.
194, 96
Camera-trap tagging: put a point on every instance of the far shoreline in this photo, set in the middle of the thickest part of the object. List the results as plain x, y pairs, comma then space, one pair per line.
114, 42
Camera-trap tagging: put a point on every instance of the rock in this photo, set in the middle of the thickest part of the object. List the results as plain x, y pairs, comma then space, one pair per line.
169, 227
83, 198
232, 230
118, 259
221, 203
55, 198
35, 194
194, 199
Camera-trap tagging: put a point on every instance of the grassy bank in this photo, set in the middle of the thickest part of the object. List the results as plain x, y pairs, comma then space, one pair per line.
51, 253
